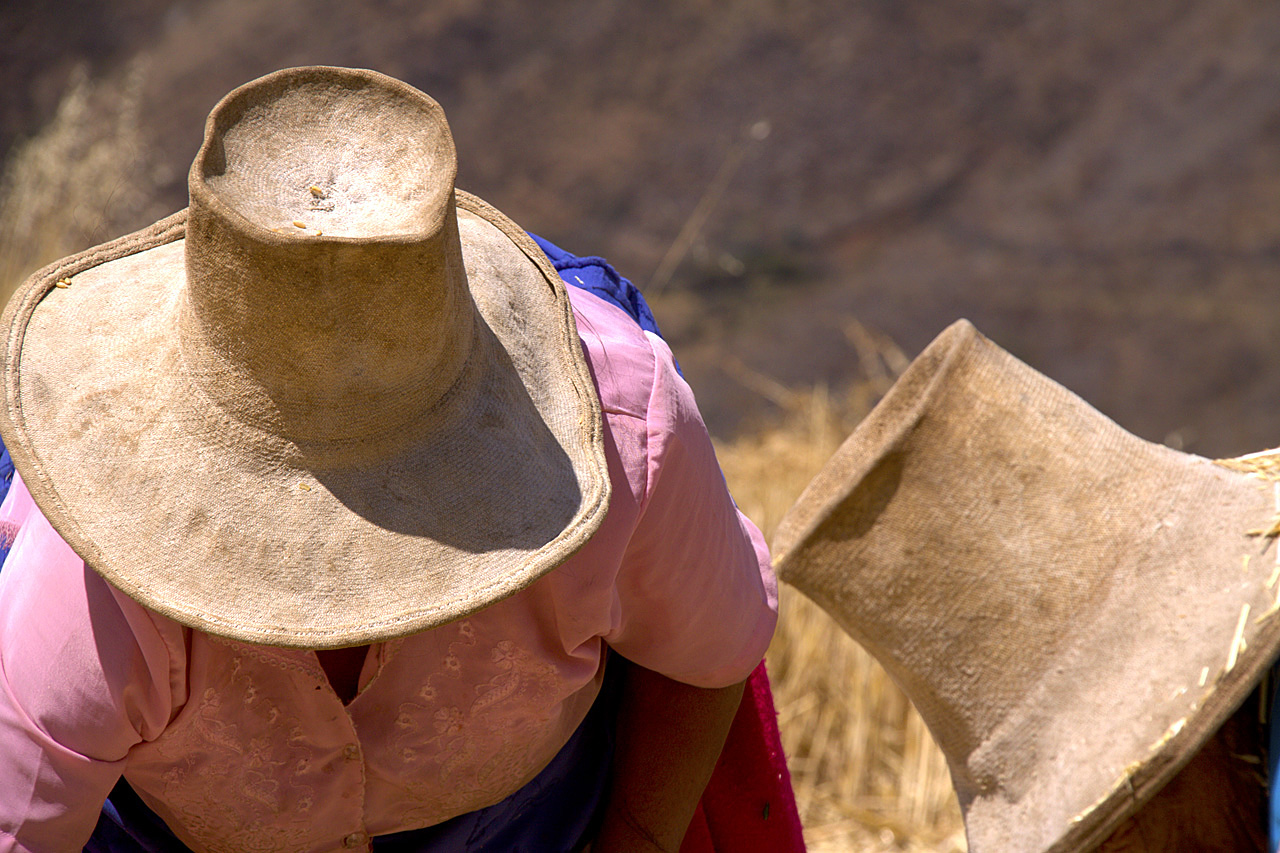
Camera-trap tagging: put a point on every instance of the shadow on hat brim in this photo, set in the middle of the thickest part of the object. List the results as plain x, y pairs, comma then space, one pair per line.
240, 534
1073, 610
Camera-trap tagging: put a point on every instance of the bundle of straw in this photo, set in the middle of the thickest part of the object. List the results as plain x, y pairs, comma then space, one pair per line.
867, 775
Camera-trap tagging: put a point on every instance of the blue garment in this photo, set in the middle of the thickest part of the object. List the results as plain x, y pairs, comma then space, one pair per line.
6, 479
557, 811
1271, 736
595, 275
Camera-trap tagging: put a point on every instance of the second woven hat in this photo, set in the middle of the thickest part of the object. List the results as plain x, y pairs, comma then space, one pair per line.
1073, 610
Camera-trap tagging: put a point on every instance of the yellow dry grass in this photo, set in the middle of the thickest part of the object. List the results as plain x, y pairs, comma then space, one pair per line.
65, 188
867, 775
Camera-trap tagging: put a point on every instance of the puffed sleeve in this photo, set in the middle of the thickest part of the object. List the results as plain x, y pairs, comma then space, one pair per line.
697, 597
84, 675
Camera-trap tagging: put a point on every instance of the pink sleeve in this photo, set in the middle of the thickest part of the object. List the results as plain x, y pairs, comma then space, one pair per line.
84, 675
698, 599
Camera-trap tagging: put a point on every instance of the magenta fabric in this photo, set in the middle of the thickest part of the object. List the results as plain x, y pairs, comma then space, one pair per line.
749, 804
247, 747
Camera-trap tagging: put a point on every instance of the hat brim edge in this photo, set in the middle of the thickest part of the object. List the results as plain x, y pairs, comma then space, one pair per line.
14, 428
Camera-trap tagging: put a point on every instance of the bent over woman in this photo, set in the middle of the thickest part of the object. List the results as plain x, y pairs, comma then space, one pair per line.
340, 525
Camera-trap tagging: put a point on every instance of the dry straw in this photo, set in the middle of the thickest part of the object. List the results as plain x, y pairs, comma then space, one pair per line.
867, 774
81, 179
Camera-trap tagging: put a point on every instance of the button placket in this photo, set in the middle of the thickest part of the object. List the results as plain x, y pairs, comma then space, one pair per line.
351, 771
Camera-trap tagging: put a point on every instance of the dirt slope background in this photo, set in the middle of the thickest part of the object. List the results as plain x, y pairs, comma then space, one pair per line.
1095, 185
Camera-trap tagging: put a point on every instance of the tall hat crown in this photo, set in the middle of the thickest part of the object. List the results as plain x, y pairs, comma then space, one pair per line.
326, 292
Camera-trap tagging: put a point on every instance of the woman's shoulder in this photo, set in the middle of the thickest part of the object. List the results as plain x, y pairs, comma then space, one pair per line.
116, 660
624, 359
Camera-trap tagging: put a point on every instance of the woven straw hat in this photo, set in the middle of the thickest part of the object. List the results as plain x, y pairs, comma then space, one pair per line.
332, 402
1073, 611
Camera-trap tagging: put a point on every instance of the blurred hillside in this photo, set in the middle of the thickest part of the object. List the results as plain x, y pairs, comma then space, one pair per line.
1095, 185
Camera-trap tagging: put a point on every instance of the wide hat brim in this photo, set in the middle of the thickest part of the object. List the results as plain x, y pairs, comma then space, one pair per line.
238, 533
1074, 611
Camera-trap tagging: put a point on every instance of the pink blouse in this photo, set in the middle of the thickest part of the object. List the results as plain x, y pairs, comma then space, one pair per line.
241, 747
